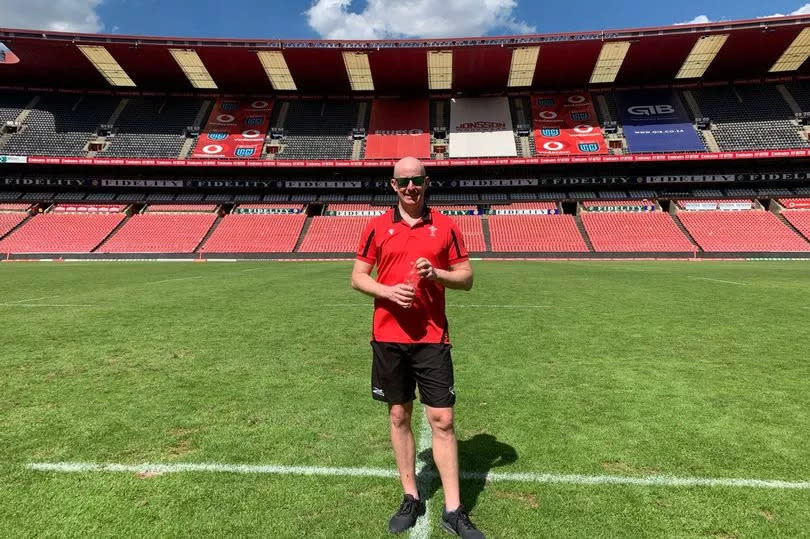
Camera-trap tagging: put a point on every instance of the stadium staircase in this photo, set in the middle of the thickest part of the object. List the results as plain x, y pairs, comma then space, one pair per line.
190, 143
485, 228
303, 234
20, 118
16, 226
685, 231
790, 225
584, 233
208, 234
112, 233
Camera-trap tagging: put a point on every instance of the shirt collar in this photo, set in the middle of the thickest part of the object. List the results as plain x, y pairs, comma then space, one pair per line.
426, 214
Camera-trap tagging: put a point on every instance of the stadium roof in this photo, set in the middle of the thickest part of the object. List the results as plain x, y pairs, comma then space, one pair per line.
738, 50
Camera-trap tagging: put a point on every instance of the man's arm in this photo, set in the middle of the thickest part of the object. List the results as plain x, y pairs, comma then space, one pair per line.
401, 294
458, 276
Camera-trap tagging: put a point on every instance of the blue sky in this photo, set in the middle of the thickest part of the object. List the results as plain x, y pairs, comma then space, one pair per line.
363, 19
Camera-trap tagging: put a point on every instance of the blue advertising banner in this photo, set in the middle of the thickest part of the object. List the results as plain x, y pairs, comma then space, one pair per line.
656, 121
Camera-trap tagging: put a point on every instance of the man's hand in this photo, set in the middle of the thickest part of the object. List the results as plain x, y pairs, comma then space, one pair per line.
426, 269
401, 294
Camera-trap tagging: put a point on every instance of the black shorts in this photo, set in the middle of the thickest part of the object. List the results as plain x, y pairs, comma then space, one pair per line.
397, 369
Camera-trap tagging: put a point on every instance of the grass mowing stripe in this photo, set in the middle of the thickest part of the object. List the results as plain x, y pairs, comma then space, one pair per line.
528, 477
717, 280
176, 279
30, 300
424, 477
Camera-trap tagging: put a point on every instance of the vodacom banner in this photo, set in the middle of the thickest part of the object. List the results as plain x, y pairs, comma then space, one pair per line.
399, 128
235, 129
566, 124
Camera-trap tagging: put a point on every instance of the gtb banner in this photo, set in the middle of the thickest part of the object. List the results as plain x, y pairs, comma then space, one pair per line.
235, 129
399, 128
566, 124
656, 121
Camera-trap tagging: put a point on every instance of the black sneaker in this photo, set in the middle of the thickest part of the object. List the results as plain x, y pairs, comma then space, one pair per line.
458, 523
405, 518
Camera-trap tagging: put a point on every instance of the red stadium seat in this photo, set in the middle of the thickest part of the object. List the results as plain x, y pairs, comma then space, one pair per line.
61, 233
160, 233
250, 233
741, 231
542, 233
635, 232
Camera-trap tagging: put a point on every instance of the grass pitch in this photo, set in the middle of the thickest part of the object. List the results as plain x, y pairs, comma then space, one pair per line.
632, 369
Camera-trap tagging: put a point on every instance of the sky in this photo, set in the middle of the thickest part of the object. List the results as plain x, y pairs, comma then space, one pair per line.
368, 19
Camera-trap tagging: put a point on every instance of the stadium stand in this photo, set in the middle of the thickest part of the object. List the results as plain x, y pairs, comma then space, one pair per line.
11, 105
333, 234
160, 233
741, 231
541, 233
472, 230
152, 127
749, 117
634, 232
61, 233
14, 206
87, 208
61, 124
8, 220
319, 129
250, 233
790, 203
270, 206
800, 220
526, 206
354, 208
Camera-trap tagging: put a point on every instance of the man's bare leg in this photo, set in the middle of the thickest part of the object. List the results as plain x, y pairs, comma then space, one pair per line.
403, 445
445, 453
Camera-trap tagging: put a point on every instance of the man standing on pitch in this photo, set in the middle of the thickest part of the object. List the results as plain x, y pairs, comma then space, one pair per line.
418, 253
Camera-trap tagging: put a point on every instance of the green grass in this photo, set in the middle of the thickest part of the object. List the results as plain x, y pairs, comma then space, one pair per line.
629, 368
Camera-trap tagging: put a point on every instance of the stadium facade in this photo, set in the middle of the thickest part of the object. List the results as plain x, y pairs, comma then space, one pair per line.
681, 141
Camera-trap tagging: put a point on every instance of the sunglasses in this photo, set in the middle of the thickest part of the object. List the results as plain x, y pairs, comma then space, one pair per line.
417, 181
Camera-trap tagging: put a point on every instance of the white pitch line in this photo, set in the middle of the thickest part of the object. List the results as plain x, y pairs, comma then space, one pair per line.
717, 280
527, 477
421, 529
29, 300
46, 305
177, 279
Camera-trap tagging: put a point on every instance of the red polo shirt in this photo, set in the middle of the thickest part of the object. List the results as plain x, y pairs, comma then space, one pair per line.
394, 246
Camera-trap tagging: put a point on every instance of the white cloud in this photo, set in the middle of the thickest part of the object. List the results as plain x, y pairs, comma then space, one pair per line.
415, 18
54, 15
700, 19
804, 10
703, 19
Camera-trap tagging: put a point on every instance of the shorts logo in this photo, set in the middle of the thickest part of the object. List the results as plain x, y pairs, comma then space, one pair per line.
244, 152
580, 116
377, 391
217, 136
550, 132
228, 106
588, 147
452, 391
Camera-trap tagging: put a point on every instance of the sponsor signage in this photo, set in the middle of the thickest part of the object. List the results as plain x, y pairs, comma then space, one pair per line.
268, 211
656, 121
621, 207
354, 213
725, 206
13, 159
524, 212
481, 127
399, 128
235, 129
796, 204
566, 124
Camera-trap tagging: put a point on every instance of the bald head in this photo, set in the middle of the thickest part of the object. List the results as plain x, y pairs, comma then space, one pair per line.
409, 167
